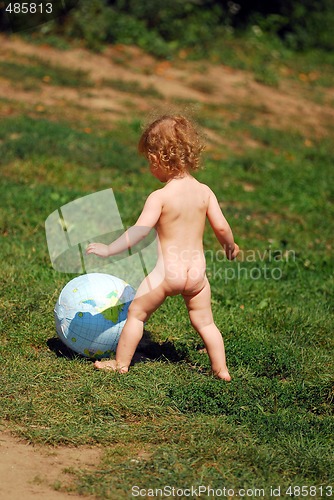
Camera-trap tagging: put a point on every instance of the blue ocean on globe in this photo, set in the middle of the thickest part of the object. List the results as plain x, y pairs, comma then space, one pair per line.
90, 313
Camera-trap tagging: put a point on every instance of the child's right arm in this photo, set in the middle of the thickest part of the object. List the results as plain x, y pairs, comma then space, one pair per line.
146, 221
221, 227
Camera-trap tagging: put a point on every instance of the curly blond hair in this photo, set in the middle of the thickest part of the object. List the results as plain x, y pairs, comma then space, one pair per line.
174, 141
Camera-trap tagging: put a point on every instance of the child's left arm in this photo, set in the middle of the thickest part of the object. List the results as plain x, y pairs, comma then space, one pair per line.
146, 221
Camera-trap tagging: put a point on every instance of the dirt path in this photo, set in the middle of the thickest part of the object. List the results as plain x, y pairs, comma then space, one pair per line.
287, 106
33, 472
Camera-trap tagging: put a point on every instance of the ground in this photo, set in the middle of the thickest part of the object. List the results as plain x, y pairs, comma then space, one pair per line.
163, 83
33, 471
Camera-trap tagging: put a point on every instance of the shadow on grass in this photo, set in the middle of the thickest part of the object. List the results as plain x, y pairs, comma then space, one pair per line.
147, 349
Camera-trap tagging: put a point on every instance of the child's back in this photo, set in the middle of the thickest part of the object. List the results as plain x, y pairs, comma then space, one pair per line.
184, 204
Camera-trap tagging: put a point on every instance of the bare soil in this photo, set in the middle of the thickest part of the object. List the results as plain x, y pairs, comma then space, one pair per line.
33, 472
288, 106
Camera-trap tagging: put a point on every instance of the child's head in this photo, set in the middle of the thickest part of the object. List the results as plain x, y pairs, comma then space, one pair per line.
173, 143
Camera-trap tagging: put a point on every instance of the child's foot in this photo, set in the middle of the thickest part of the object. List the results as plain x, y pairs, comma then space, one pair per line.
110, 365
223, 375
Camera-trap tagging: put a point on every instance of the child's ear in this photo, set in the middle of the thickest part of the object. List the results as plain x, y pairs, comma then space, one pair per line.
153, 159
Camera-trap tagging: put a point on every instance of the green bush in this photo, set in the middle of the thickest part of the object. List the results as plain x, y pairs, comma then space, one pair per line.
90, 21
301, 25
164, 27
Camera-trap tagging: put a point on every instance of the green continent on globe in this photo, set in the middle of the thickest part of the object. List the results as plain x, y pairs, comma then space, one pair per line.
112, 313
97, 354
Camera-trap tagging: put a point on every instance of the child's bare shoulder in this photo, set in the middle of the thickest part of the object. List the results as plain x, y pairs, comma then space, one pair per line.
156, 192
206, 190
155, 196
205, 187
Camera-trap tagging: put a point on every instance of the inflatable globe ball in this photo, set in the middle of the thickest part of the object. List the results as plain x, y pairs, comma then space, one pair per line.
90, 313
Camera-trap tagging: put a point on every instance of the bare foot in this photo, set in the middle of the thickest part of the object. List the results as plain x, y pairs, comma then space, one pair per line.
223, 375
110, 365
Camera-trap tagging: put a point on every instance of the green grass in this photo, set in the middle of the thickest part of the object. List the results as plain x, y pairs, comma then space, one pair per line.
269, 59
132, 87
168, 422
33, 72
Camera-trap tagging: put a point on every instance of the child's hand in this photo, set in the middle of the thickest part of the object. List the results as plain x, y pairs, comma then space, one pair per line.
99, 249
235, 251
233, 255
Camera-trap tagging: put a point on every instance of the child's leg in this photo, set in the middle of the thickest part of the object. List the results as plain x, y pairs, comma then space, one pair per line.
129, 339
146, 301
200, 314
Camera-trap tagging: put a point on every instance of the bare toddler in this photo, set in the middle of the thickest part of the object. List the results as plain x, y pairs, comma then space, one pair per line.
178, 212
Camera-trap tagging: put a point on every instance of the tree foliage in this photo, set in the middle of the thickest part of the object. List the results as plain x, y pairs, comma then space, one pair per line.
161, 27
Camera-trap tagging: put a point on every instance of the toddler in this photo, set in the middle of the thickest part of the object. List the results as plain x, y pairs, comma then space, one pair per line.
178, 212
